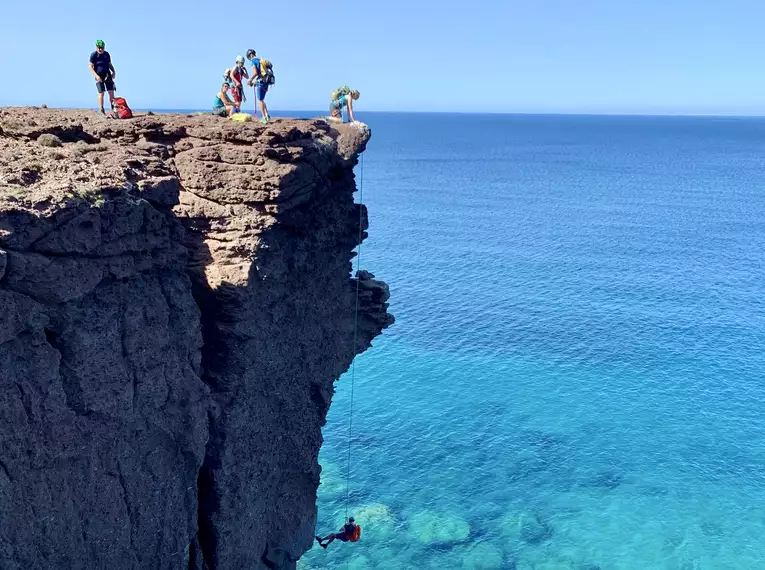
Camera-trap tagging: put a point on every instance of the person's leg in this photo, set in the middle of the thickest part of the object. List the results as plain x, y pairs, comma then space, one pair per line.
100, 87
237, 98
257, 101
260, 95
110, 89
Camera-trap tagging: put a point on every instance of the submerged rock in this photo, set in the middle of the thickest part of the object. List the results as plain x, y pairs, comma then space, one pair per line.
606, 480
437, 529
527, 528
482, 556
377, 521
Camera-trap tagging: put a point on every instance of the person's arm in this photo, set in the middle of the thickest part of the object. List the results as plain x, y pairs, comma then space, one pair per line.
93, 69
111, 68
349, 98
255, 73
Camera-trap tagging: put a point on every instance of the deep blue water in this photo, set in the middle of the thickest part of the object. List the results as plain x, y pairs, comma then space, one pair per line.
577, 373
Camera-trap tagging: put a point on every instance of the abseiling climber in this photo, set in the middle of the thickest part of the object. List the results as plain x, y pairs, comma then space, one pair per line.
351, 532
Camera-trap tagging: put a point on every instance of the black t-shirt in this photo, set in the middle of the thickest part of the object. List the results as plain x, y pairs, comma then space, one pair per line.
101, 63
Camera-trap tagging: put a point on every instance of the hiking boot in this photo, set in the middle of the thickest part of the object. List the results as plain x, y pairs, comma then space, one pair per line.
102, 111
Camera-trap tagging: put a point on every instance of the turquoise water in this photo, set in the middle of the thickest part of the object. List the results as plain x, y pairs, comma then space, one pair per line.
576, 376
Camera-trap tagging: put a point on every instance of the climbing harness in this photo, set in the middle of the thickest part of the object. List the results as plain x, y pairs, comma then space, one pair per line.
355, 336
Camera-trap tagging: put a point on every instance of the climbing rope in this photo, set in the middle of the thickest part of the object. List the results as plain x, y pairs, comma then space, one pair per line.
355, 336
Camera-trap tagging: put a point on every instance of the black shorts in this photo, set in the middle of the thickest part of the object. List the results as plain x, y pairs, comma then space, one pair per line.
105, 85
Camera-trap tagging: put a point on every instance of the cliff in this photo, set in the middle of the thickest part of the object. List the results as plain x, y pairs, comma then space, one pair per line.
176, 302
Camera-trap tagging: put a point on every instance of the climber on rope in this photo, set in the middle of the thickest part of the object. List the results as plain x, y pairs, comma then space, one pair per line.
351, 532
341, 104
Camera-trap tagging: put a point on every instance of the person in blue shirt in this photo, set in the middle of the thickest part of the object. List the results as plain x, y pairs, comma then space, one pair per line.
103, 71
261, 86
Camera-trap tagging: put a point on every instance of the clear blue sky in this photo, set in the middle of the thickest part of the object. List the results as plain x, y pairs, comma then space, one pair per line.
600, 56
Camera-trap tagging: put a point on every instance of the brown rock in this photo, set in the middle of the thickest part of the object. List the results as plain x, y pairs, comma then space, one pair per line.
176, 302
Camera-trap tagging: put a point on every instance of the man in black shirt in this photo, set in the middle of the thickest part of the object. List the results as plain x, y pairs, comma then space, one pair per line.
102, 69
350, 532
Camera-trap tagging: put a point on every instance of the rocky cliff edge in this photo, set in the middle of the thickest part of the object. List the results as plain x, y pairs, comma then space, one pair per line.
176, 302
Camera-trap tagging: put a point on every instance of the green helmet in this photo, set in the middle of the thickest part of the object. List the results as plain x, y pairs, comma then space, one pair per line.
100, 43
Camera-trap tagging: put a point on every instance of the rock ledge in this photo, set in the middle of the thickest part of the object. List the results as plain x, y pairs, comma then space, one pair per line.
176, 302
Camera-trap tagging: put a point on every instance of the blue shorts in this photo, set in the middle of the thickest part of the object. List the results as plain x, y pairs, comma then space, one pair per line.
260, 91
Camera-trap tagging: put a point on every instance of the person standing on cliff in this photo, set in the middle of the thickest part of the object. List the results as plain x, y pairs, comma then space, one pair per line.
103, 71
238, 75
261, 86
350, 532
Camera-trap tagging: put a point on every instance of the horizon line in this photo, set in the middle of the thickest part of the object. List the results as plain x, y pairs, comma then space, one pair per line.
169, 110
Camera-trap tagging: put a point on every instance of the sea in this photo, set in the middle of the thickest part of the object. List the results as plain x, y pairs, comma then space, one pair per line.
576, 376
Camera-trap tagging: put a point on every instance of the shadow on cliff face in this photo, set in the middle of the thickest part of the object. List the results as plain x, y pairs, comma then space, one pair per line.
274, 343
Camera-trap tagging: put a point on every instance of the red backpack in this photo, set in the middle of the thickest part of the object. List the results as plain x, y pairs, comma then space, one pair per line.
123, 111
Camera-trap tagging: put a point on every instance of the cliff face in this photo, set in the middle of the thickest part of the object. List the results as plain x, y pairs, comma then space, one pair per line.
176, 302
